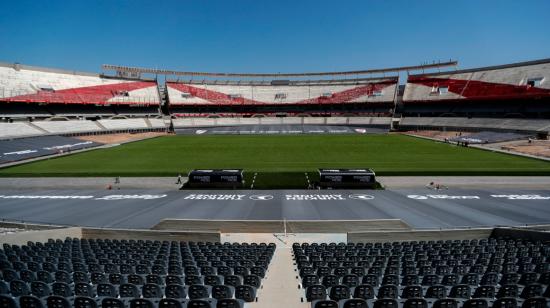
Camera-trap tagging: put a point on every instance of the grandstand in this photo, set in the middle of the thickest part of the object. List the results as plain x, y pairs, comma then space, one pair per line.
367, 96
35, 92
513, 90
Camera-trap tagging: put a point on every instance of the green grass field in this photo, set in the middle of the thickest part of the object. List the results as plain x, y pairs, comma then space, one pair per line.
386, 154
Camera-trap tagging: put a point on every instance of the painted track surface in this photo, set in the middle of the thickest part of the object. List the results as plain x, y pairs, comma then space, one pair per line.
420, 208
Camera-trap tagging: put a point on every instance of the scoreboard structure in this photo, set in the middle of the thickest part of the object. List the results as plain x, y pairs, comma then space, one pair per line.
347, 178
215, 178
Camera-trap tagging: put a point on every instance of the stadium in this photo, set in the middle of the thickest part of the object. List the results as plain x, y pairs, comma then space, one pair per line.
404, 186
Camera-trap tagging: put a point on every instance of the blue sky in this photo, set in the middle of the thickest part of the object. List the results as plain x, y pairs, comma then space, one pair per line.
272, 36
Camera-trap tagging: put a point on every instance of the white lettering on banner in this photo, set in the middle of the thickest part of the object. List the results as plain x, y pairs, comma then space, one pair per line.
313, 197
128, 197
261, 197
43, 197
214, 197
21, 152
361, 197
522, 197
445, 197
57, 147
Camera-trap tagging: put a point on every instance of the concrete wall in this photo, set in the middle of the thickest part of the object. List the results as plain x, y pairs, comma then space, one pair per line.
417, 235
203, 236
278, 226
21, 238
208, 122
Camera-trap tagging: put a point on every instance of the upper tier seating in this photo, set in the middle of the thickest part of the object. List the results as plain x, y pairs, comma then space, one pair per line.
19, 83
468, 273
112, 273
528, 80
337, 92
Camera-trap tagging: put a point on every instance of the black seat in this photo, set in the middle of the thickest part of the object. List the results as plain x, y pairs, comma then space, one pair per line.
386, 303
232, 280
84, 302
193, 279
490, 279
61, 289
110, 302
175, 291
169, 303
316, 292
55, 301
199, 303
460, 291
141, 303
355, 303
228, 303
387, 291
412, 292
363, 291
475, 303
151, 290
415, 303
246, 293
29, 301
445, 303
505, 302
471, 279
9, 274
339, 292
535, 302
252, 280
106, 289
532, 290
98, 277
135, 279
430, 280
437, 291
370, 279
222, 291
7, 301
197, 291
350, 280
484, 292
19, 288
325, 304
128, 290
173, 279
509, 290
4, 288
40, 289
116, 278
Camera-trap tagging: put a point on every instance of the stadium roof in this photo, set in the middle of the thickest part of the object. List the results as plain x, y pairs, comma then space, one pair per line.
139, 70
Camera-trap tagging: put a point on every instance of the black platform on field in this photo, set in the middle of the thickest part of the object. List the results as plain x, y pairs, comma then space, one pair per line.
25, 148
215, 178
347, 178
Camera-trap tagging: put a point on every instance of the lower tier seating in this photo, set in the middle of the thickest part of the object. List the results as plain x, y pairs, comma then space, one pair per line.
419, 274
113, 273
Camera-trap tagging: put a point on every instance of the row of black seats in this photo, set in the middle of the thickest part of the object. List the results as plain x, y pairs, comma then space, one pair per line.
187, 267
441, 303
197, 276
29, 301
339, 292
343, 277
18, 288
